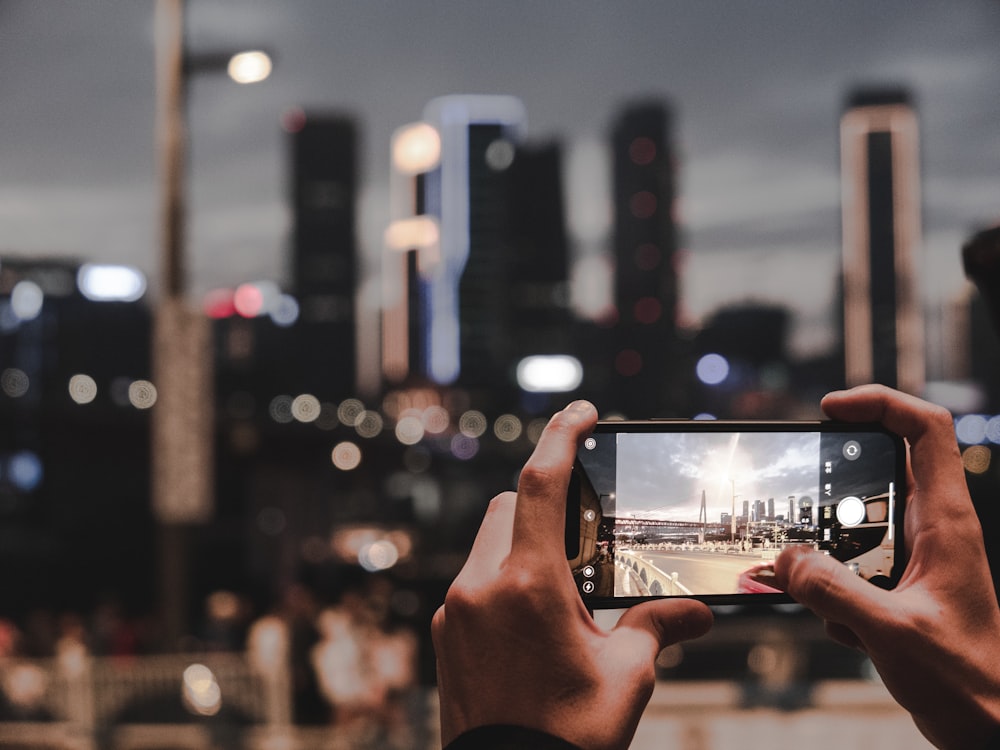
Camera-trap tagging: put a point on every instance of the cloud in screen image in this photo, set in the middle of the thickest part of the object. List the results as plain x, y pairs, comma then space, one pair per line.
662, 476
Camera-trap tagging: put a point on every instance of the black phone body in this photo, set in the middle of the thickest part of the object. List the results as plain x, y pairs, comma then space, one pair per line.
701, 508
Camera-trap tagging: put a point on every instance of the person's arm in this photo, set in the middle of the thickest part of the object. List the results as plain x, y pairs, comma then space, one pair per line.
935, 638
515, 644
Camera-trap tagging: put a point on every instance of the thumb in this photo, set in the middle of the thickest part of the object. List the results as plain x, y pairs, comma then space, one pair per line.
668, 621
826, 586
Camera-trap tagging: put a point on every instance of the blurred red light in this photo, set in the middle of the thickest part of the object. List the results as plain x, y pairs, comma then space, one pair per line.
643, 204
628, 362
647, 310
248, 300
642, 151
219, 304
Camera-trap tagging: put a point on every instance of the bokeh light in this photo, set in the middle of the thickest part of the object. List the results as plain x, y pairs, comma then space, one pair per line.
201, 692
508, 428
26, 300
435, 419
280, 409
346, 456
252, 66
142, 394
473, 424
82, 388
14, 382
410, 430
971, 429
464, 447
110, 283
712, 369
976, 459
368, 424
305, 408
349, 410
378, 555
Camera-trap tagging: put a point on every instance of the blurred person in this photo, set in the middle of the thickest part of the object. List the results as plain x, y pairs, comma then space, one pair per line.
522, 664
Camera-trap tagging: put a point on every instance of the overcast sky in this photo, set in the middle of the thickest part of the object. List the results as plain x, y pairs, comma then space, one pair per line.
664, 475
757, 89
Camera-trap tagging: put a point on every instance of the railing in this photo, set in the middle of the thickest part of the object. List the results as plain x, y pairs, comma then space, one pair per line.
655, 581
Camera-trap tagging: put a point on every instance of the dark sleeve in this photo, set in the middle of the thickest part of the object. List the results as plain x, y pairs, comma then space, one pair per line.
508, 737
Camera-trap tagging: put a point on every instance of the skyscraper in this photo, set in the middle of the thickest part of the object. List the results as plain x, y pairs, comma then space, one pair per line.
324, 275
645, 244
880, 180
466, 303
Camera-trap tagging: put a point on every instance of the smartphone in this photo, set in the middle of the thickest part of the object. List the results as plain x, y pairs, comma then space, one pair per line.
702, 508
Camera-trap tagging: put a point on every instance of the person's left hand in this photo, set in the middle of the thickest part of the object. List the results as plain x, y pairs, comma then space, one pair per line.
514, 641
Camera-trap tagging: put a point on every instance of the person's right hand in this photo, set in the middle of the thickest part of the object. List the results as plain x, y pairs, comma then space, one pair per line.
935, 638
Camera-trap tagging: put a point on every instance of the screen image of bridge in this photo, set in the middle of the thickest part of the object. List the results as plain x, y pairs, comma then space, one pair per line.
697, 513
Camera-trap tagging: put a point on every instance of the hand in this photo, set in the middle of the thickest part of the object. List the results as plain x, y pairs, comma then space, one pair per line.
935, 638
514, 641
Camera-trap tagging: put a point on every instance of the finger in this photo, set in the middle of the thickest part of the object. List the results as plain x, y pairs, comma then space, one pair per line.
541, 490
667, 621
935, 459
828, 587
492, 544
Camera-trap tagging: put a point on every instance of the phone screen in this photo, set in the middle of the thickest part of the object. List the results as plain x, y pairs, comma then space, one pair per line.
702, 509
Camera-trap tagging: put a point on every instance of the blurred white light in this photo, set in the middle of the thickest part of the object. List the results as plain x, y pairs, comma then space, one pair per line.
106, 283
472, 424
26, 299
416, 148
378, 555
346, 456
409, 430
14, 382
82, 389
412, 233
202, 694
850, 511
349, 410
142, 394
993, 430
368, 424
549, 373
305, 408
435, 419
508, 428
535, 429
712, 369
971, 429
252, 66
280, 409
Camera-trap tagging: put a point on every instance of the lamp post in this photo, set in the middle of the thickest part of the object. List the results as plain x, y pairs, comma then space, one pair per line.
182, 432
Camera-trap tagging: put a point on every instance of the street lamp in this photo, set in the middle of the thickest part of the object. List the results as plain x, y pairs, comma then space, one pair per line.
183, 421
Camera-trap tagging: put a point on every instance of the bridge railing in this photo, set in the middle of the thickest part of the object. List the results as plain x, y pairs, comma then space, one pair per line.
656, 582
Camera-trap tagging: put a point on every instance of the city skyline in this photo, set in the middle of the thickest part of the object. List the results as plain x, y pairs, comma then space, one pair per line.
756, 106
752, 466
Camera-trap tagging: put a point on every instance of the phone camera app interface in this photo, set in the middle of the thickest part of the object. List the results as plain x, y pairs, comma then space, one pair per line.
706, 513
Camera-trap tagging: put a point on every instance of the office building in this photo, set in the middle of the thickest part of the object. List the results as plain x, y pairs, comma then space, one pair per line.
880, 180
644, 376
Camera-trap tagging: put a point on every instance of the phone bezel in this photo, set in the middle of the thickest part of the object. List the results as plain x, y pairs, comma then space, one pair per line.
572, 541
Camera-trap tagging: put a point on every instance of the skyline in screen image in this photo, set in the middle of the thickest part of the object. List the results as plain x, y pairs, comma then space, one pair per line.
662, 476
